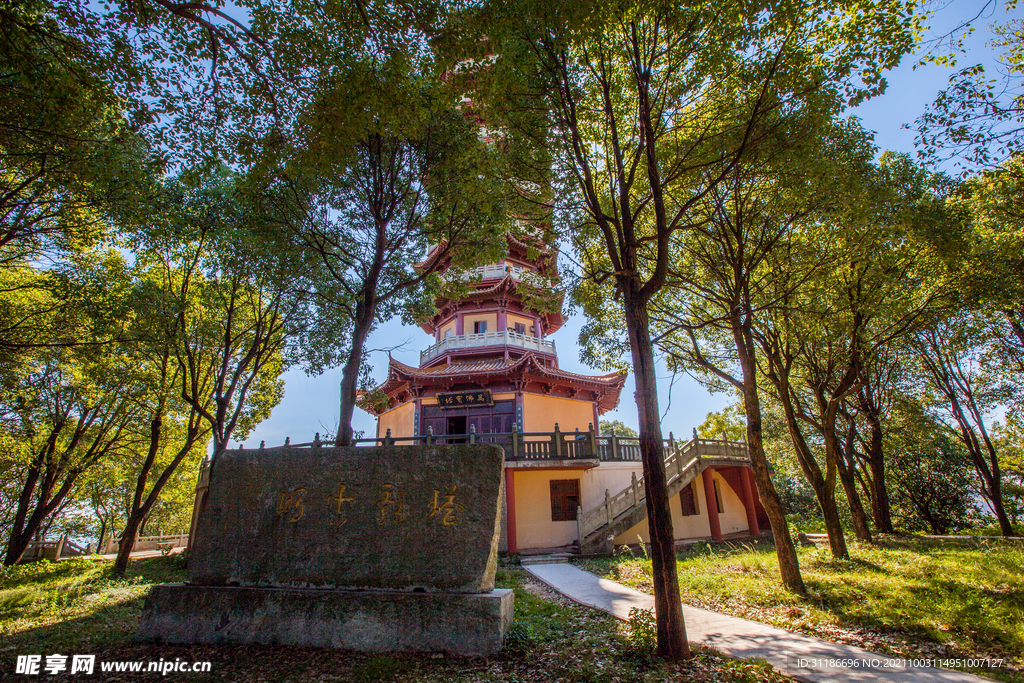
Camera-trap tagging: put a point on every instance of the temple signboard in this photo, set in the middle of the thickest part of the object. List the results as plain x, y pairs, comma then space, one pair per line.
463, 399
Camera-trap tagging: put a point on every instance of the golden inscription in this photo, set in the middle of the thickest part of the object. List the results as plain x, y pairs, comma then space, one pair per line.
291, 504
448, 509
390, 503
336, 502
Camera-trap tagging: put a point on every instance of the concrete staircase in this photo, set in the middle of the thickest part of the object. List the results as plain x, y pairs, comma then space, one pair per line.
627, 508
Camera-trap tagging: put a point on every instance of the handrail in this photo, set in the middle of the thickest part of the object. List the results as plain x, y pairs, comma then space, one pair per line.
502, 338
679, 461
537, 445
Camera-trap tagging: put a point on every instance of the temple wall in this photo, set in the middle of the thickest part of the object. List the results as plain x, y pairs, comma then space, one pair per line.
540, 413
491, 318
534, 528
512, 319
400, 419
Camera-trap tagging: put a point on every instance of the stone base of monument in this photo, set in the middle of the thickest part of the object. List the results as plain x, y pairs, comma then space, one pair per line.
465, 624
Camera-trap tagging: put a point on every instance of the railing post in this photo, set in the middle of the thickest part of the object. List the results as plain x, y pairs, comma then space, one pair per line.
579, 526
316, 440
472, 433
557, 437
592, 439
387, 437
515, 441
633, 485
696, 443
430, 435
607, 508
287, 441
671, 443
615, 443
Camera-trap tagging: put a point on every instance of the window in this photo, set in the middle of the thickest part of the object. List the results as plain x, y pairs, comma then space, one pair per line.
565, 498
520, 328
688, 501
479, 327
718, 499
447, 333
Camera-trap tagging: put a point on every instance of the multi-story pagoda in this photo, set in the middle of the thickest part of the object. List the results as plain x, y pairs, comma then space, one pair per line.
493, 364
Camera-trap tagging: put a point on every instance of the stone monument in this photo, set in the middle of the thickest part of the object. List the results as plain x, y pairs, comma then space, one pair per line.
384, 549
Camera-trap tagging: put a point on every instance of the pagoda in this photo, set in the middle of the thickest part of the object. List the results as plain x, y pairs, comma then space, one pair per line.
492, 366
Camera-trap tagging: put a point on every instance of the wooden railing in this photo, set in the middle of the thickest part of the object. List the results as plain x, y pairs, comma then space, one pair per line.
681, 461
554, 445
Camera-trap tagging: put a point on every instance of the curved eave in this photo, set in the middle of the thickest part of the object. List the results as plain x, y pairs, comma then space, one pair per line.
401, 377
505, 286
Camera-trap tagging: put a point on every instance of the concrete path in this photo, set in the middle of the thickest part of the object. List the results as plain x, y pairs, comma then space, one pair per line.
801, 657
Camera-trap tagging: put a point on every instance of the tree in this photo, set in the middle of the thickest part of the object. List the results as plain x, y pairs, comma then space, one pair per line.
932, 486
729, 306
949, 353
606, 427
650, 106
978, 119
729, 423
176, 431
74, 408
367, 197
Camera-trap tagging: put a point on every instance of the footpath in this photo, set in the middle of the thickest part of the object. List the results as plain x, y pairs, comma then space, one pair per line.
799, 656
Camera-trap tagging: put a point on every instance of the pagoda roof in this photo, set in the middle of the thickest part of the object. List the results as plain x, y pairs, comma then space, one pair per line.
506, 285
606, 388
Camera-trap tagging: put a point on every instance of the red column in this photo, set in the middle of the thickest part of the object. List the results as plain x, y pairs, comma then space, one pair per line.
510, 510
711, 503
459, 324
746, 477
502, 320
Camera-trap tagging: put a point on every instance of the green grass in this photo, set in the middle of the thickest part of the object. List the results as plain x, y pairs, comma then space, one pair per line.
79, 607
903, 596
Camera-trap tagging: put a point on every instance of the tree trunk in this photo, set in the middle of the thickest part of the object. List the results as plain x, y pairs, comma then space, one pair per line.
672, 642
137, 513
350, 374
846, 463
824, 487
881, 509
103, 531
785, 550
835, 457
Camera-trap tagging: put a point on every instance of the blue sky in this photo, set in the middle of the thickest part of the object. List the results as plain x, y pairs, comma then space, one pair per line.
311, 403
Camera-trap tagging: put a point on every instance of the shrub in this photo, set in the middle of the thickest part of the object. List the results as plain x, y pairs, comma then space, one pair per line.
643, 631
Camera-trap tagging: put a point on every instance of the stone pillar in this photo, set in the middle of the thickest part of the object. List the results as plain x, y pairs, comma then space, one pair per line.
710, 502
747, 484
510, 510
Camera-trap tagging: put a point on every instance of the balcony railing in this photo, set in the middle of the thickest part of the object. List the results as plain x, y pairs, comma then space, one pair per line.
470, 341
559, 445
493, 271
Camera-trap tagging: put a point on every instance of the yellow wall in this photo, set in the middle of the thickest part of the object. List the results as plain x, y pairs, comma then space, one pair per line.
534, 528
446, 327
693, 526
491, 318
511, 321
540, 413
399, 419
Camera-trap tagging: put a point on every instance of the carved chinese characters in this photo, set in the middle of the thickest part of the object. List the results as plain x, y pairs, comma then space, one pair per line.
398, 518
